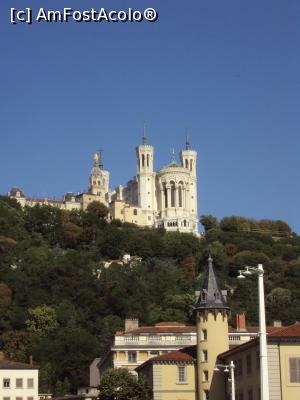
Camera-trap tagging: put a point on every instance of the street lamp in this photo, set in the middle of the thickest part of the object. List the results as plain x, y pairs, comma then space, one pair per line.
228, 368
264, 380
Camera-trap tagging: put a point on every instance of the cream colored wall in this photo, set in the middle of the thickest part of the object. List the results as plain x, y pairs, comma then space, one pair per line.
72, 205
216, 343
246, 381
88, 198
143, 355
24, 392
290, 391
125, 213
169, 387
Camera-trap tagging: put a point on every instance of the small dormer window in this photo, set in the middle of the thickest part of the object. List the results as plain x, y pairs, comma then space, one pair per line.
203, 296
217, 296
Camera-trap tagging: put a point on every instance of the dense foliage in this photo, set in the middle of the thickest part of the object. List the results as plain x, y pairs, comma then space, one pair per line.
120, 384
59, 304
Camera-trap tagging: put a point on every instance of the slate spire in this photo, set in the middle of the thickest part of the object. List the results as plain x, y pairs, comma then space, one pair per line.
211, 297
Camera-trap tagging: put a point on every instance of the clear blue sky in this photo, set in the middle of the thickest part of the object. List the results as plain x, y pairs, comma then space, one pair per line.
229, 71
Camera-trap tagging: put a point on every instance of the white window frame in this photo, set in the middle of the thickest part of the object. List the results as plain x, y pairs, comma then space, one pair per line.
6, 379
30, 380
297, 370
21, 380
181, 374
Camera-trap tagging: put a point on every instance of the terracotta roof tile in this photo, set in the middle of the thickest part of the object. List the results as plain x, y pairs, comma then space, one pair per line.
9, 364
290, 331
169, 324
163, 329
188, 354
176, 327
173, 356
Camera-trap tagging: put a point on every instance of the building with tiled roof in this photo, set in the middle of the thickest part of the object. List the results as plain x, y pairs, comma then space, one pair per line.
283, 349
190, 373
171, 374
136, 344
18, 380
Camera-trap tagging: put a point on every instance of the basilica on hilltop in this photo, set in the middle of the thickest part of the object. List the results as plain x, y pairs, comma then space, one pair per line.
163, 198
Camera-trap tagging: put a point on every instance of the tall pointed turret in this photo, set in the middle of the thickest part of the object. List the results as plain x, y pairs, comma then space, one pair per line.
212, 336
211, 298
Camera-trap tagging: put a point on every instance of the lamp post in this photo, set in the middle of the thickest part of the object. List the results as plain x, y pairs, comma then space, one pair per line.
264, 380
228, 368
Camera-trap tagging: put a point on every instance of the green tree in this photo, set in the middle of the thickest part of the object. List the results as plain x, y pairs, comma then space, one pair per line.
15, 344
120, 384
5, 294
209, 222
42, 320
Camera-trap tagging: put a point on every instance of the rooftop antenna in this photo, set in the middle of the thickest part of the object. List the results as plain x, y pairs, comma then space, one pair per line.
187, 140
145, 134
101, 158
173, 157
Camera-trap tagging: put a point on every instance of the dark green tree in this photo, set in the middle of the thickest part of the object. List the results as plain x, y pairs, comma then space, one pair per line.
120, 384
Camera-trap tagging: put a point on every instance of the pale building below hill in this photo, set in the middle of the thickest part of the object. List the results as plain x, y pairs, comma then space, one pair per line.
137, 344
18, 380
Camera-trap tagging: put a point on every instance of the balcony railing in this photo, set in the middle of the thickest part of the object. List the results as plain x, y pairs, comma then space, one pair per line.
155, 341
184, 340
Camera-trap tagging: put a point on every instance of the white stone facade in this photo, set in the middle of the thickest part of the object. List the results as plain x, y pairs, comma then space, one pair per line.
18, 384
164, 198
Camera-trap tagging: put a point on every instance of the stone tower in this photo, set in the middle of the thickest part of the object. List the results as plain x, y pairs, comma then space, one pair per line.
212, 336
146, 180
188, 159
99, 179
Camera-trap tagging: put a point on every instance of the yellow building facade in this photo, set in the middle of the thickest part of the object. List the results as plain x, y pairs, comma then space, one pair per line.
171, 376
283, 350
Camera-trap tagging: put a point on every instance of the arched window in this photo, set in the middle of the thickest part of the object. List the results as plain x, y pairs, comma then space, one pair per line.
172, 193
184, 222
191, 165
143, 160
166, 196
186, 163
179, 196
94, 182
98, 183
148, 160
135, 211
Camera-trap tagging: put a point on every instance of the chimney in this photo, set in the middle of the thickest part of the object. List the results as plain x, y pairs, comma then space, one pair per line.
277, 323
2, 355
241, 322
30, 360
131, 323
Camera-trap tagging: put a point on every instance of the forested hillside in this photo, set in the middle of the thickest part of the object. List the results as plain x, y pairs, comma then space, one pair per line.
59, 304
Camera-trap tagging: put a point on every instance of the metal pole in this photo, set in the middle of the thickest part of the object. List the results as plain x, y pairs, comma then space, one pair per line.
264, 379
231, 366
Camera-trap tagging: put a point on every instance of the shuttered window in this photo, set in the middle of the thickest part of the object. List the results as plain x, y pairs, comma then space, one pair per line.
295, 369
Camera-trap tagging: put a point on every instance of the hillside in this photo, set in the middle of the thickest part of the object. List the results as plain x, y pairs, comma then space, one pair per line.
59, 303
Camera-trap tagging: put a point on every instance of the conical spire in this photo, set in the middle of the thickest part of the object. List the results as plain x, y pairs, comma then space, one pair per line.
211, 298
